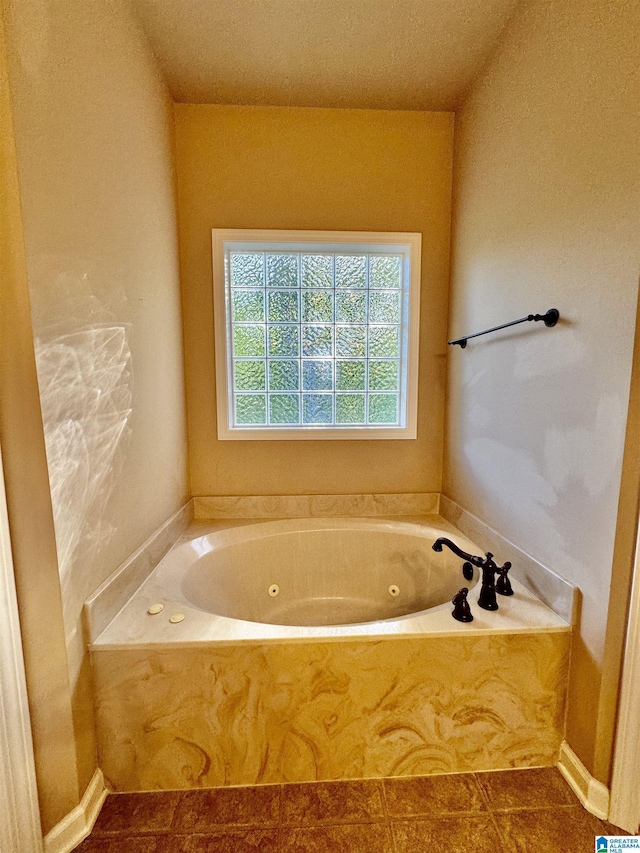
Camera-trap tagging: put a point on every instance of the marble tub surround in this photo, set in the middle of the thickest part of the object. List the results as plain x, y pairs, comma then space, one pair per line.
558, 594
117, 589
315, 506
256, 713
134, 627
458, 812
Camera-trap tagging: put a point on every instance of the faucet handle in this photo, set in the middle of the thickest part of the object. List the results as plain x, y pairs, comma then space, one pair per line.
461, 610
503, 584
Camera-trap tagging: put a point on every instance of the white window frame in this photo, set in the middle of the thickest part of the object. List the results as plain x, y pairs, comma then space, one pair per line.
407, 243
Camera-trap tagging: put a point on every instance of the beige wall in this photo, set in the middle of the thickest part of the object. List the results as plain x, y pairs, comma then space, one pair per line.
94, 136
547, 214
275, 167
29, 501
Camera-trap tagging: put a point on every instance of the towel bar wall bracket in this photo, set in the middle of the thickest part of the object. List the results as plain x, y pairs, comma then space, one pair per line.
550, 319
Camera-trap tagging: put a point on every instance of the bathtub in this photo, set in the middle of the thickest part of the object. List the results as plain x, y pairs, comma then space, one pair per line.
332, 578
306, 649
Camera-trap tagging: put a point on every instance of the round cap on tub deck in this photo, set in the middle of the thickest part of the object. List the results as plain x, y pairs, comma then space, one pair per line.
177, 617
155, 608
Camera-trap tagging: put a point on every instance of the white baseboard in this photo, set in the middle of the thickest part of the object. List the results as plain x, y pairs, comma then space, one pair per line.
593, 795
75, 827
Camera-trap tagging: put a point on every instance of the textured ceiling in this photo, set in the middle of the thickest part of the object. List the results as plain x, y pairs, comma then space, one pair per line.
386, 54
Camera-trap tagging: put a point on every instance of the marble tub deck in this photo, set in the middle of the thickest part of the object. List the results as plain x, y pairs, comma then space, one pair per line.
517, 811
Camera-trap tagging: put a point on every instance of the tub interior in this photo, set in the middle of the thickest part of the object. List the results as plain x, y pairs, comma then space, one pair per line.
328, 576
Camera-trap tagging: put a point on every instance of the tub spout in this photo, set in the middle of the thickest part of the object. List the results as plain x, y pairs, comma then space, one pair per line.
437, 546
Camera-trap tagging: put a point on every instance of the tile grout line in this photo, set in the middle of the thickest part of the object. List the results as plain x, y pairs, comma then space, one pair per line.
387, 821
176, 812
325, 824
435, 815
279, 837
527, 809
490, 812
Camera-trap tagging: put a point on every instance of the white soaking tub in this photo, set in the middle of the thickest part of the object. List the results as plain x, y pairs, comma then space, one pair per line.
313, 578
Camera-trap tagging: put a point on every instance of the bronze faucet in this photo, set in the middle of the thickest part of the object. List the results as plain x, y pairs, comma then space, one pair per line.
487, 599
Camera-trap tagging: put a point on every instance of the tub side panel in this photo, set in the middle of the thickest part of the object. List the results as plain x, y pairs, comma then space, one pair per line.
188, 718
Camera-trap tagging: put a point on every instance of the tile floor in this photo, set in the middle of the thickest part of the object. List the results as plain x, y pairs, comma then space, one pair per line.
516, 811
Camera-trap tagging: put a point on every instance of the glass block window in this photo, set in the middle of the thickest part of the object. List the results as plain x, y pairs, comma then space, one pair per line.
316, 334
